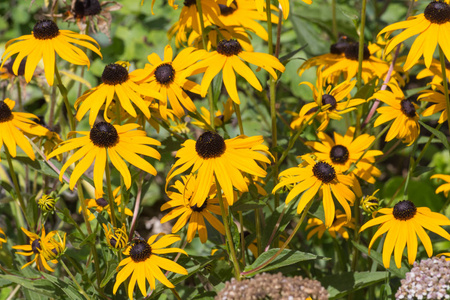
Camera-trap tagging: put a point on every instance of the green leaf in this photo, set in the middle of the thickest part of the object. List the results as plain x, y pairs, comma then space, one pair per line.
441, 136
285, 59
343, 284
65, 286
272, 220
287, 257
110, 272
90, 239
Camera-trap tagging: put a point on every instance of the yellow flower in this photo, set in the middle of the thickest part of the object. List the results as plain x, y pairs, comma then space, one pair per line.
403, 224
171, 3
13, 126
47, 203
339, 225
119, 142
186, 211
403, 111
168, 77
144, 263
212, 156
117, 84
2, 239
261, 4
101, 204
435, 71
309, 178
370, 204
333, 97
44, 40
220, 118
40, 247
227, 58
432, 26
117, 238
437, 97
446, 186
345, 151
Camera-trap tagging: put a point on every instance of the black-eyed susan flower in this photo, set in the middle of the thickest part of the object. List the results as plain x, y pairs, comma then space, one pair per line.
170, 2
221, 118
211, 156
116, 238
168, 77
104, 140
58, 246
434, 71
144, 263
346, 150
38, 246
101, 204
403, 223
47, 203
46, 39
437, 97
403, 111
6, 71
445, 188
432, 28
186, 212
309, 178
340, 225
2, 238
117, 83
370, 203
332, 96
228, 59
348, 65
14, 126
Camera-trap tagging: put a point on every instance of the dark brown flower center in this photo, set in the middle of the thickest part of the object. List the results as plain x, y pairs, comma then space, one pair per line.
328, 99
228, 10
339, 154
189, 2
45, 30
312, 110
86, 8
210, 145
165, 73
404, 210
104, 135
324, 172
36, 246
197, 208
353, 49
437, 12
407, 107
113, 241
9, 67
5, 112
140, 251
229, 47
339, 47
114, 74
101, 202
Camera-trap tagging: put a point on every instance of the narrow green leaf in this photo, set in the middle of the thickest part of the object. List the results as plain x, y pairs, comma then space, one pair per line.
440, 135
110, 272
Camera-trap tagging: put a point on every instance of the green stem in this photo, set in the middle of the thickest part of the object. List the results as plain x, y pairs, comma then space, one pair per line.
361, 44
241, 223
19, 95
73, 222
63, 91
80, 289
175, 293
237, 110
333, 9
16, 186
258, 231
445, 83
111, 196
291, 236
237, 271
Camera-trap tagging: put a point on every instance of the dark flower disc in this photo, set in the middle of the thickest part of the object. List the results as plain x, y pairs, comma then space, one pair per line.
45, 30
227, 10
196, 208
165, 73
404, 210
101, 202
189, 2
140, 251
104, 135
312, 110
328, 99
5, 112
113, 241
210, 145
229, 47
408, 108
36, 246
114, 74
339, 47
437, 12
352, 51
324, 172
9, 67
86, 8
339, 154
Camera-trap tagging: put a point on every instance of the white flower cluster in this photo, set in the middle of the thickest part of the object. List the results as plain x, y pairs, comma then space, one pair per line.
429, 279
